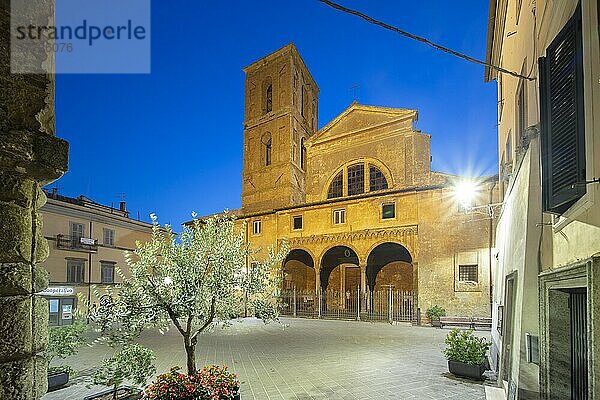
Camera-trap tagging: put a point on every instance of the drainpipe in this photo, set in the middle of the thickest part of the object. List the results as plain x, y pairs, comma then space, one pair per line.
247, 272
491, 236
89, 275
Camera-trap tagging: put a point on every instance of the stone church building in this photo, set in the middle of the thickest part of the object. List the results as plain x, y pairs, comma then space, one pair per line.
356, 200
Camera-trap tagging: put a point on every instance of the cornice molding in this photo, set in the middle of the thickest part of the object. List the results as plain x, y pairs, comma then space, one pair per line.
404, 234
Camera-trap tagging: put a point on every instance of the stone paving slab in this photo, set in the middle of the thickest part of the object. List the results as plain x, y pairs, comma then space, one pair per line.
306, 359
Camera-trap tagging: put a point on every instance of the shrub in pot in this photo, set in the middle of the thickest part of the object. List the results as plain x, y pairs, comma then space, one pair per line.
466, 353
210, 383
434, 314
134, 363
63, 341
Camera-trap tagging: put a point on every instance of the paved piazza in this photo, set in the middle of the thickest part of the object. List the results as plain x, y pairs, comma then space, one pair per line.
313, 359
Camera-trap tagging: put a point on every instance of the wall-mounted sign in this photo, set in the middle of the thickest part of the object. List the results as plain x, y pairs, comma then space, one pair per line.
67, 311
89, 241
57, 291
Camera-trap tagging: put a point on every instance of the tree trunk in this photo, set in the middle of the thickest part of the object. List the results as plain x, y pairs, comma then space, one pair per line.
190, 350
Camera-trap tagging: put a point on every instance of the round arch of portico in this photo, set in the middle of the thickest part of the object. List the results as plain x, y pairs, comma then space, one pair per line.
374, 268
322, 274
351, 247
303, 248
408, 247
310, 273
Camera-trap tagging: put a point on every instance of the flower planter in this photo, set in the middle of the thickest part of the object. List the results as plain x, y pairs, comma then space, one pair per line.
123, 393
436, 323
467, 370
57, 380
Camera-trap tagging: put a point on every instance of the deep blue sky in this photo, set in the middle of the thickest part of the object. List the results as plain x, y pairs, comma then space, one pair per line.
172, 140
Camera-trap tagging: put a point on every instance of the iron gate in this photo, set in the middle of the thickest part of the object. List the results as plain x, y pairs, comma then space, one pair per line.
382, 305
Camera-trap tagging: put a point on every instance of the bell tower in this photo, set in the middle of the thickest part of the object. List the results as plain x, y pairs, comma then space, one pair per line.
281, 106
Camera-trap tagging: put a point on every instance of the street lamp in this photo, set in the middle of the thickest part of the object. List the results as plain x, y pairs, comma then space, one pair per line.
465, 193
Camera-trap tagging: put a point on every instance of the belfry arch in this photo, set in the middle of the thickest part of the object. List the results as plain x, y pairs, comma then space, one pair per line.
299, 271
390, 264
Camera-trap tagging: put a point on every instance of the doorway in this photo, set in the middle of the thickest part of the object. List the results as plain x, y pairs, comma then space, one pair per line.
61, 311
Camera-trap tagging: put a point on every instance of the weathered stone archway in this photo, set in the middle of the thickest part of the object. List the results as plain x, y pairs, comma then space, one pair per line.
395, 261
334, 257
299, 271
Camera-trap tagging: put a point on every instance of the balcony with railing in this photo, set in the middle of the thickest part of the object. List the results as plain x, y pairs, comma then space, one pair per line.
76, 243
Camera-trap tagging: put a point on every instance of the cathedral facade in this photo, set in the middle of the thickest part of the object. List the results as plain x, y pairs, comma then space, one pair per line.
356, 201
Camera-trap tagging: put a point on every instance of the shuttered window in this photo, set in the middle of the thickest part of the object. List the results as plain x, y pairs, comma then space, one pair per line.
562, 124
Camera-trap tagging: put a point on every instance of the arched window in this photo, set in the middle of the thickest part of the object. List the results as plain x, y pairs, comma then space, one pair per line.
377, 180
302, 154
356, 179
336, 188
269, 99
267, 146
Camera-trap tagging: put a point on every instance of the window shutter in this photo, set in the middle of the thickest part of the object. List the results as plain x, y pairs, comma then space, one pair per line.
562, 124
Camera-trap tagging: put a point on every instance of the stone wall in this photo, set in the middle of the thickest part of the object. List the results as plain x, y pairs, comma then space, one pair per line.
30, 156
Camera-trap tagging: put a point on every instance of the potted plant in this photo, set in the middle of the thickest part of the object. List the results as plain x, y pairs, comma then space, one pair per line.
434, 314
63, 341
133, 362
466, 354
210, 383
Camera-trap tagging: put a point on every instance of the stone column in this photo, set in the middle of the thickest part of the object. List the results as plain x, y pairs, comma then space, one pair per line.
363, 278
30, 156
317, 280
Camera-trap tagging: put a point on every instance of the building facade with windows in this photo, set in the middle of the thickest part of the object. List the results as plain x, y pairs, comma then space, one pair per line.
87, 242
545, 295
356, 200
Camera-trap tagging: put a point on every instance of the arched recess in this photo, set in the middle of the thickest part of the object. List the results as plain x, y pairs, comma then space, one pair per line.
332, 258
299, 270
385, 254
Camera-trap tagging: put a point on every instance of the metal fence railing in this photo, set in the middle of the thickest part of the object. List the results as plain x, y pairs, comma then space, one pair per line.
382, 305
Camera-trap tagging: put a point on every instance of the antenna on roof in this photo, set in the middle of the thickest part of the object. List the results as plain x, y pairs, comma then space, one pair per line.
354, 91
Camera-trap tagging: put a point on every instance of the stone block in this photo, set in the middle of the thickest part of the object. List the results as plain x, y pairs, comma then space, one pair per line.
15, 233
40, 376
40, 278
42, 250
51, 156
40, 324
15, 279
41, 198
16, 189
17, 379
15, 327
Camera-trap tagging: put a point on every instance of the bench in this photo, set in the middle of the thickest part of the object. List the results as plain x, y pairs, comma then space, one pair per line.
464, 322
482, 323
467, 322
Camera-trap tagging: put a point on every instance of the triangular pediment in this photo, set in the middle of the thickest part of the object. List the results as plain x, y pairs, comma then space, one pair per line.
360, 118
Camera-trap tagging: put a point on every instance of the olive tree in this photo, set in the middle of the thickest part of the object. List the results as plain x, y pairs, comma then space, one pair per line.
197, 279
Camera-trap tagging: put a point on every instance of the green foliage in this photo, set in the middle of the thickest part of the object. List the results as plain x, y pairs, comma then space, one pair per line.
195, 280
133, 362
210, 383
65, 341
435, 312
465, 347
